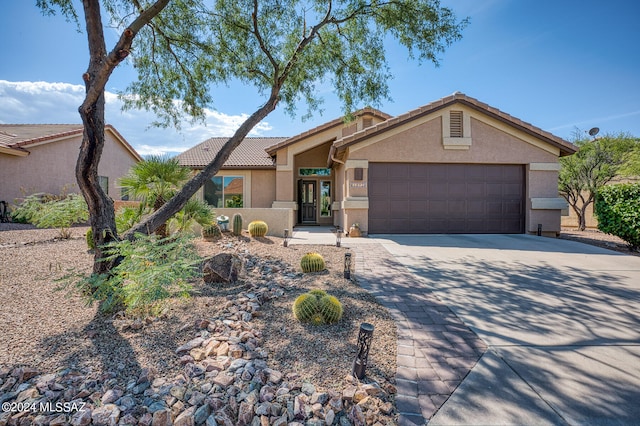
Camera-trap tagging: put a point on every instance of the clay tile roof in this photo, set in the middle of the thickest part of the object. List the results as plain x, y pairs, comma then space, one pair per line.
21, 136
251, 153
566, 148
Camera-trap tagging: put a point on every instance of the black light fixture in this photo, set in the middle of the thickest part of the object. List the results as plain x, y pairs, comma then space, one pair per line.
286, 238
365, 336
338, 236
539, 230
347, 265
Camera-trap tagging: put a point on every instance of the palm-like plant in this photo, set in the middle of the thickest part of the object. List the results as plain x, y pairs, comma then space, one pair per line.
195, 211
154, 181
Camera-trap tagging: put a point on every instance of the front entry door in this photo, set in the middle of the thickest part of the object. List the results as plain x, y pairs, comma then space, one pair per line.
308, 197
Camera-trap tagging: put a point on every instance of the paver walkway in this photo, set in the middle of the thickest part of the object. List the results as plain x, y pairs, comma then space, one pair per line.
435, 349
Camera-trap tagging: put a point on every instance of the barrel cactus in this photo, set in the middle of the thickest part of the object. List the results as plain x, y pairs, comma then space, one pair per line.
317, 307
330, 309
237, 224
211, 232
258, 228
312, 262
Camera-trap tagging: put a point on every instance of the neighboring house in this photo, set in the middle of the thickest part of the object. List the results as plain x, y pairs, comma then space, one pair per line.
456, 165
42, 158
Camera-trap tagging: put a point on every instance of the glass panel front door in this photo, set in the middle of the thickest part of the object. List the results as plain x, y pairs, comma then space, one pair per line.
308, 201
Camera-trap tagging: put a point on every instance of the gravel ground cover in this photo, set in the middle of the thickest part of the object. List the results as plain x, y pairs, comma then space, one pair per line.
50, 330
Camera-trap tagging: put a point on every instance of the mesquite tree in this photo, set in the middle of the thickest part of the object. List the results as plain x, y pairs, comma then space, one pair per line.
284, 48
596, 163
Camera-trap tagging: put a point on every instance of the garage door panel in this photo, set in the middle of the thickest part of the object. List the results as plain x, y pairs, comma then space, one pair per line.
446, 198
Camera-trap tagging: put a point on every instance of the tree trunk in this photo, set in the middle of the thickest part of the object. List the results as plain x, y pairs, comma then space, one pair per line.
177, 202
101, 65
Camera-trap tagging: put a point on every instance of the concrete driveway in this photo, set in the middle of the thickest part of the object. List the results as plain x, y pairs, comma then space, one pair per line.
561, 319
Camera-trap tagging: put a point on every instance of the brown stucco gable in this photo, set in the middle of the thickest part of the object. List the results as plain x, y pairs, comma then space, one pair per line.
565, 147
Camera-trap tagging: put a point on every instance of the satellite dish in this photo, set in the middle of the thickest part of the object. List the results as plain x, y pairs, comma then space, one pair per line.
594, 131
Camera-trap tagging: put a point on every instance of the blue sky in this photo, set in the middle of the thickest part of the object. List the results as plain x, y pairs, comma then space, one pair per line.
557, 64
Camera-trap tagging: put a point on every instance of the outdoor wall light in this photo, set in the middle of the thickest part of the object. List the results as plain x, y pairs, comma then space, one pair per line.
347, 265
539, 230
338, 236
286, 238
365, 336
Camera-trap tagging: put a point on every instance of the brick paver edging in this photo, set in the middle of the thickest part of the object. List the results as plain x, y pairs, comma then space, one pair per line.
435, 349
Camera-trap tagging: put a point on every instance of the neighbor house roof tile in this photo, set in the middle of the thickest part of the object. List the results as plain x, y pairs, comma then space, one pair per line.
21, 136
251, 153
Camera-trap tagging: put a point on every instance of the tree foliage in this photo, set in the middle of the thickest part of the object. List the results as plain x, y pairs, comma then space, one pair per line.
597, 163
618, 212
50, 211
284, 48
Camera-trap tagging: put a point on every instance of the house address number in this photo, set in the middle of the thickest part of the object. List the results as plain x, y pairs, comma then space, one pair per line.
358, 184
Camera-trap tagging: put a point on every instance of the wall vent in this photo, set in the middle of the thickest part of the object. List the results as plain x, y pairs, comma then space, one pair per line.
455, 124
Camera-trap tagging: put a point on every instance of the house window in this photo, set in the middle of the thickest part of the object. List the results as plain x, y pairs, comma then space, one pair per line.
325, 198
103, 181
314, 172
455, 124
224, 191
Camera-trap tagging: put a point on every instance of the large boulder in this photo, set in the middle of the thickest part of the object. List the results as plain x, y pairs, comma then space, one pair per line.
222, 268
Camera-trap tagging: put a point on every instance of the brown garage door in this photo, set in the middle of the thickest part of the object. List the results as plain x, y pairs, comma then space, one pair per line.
446, 198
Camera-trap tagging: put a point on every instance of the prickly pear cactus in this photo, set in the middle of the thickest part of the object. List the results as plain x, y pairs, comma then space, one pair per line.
258, 228
312, 262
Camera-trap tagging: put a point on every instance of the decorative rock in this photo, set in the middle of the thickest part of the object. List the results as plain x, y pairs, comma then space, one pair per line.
222, 268
329, 417
348, 393
107, 414
202, 414
245, 414
223, 380
112, 395
162, 418
359, 396
308, 388
81, 418
357, 416
185, 418
190, 345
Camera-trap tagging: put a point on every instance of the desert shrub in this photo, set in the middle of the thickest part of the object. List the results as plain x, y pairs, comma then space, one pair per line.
151, 270
51, 211
26, 211
127, 216
91, 243
618, 211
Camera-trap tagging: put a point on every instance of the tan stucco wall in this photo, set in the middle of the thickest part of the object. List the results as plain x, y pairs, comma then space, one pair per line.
277, 219
263, 188
491, 142
50, 167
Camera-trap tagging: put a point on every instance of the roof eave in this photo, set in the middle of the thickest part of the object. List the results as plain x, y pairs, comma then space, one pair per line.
17, 151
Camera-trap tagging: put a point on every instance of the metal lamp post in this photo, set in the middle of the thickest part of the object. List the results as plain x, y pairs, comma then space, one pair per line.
338, 236
365, 336
286, 238
347, 265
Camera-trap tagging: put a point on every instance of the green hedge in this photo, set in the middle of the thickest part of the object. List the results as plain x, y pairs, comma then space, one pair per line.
618, 211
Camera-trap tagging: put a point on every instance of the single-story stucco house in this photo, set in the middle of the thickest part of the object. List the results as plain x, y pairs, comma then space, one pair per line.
38, 158
456, 165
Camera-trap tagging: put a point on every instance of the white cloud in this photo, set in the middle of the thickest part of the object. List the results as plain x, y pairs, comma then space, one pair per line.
40, 102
